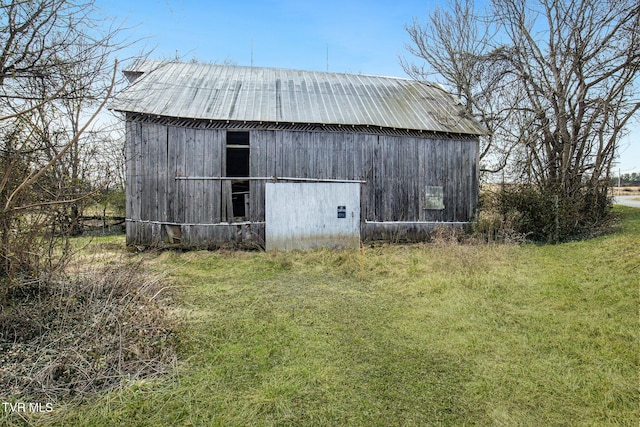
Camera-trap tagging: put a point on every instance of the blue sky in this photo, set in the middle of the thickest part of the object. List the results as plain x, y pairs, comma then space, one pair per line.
359, 36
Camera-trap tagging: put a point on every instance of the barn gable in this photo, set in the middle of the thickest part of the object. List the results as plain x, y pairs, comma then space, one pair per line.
207, 143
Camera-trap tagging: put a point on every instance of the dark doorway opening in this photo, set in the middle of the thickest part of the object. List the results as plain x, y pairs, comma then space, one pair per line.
238, 167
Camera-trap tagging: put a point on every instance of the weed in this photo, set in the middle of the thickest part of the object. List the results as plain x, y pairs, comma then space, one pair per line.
86, 332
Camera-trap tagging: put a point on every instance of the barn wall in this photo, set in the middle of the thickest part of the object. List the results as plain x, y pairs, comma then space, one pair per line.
197, 212
396, 170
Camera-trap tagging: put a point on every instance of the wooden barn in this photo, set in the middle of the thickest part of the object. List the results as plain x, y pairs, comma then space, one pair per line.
221, 155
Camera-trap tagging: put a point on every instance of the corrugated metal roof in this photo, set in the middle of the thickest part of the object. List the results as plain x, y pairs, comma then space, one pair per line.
234, 93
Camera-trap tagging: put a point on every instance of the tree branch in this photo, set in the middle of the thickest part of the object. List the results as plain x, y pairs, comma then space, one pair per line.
31, 180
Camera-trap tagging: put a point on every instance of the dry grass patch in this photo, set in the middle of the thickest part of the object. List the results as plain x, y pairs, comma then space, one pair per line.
100, 326
625, 191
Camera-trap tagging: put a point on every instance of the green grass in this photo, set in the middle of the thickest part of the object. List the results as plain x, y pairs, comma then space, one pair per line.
439, 334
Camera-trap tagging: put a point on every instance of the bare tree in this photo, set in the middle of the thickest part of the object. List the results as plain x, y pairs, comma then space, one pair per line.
577, 62
567, 72
456, 47
56, 74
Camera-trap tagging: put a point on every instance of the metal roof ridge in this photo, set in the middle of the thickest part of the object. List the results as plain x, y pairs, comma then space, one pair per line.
138, 65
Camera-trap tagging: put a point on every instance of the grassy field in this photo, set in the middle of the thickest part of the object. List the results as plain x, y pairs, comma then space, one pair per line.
435, 334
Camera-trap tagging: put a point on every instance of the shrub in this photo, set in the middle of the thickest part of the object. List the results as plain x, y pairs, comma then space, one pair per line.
519, 212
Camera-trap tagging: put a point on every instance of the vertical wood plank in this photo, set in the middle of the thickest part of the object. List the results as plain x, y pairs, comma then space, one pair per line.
128, 170
258, 168
148, 198
162, 172
298, 168
393, 210
312, 153
227, 201
337, 153
423, 170
206, 215
190, 185
305, 147
368, 173
451, 149
271, 152
407, 163
476, 175
198, 152
350, 155
171, 171
283, 153
177, 136
325, 158
215, 144
151, 173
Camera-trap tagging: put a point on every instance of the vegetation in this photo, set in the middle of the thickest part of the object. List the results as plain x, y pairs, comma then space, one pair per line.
56, 75
106, 321
555, 84
626, 179
65, 329
518, 213
431, 334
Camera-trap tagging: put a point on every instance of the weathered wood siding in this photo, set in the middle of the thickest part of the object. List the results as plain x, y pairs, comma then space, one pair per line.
156, 156
396, 169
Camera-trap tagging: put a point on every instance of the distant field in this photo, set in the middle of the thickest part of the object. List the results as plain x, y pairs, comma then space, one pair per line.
613, 191
625, 191
429, 334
